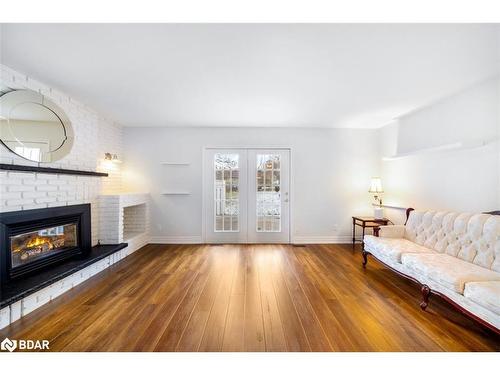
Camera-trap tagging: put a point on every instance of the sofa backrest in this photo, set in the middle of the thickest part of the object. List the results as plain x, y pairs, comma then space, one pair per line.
474, 238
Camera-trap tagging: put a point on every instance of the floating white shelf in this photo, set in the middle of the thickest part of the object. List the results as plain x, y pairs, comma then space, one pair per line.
174, 163
175, 193
447, 147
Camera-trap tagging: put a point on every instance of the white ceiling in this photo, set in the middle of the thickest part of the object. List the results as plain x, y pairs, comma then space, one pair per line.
305, 75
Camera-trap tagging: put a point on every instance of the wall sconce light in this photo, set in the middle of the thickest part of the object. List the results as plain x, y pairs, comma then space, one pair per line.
377, 191
111, 157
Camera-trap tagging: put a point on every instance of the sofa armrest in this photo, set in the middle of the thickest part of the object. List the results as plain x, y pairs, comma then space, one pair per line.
391, 231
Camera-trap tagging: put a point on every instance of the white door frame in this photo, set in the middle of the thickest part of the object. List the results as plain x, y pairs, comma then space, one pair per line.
291, 189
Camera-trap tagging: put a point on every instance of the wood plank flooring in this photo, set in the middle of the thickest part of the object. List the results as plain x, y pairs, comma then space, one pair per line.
249, 298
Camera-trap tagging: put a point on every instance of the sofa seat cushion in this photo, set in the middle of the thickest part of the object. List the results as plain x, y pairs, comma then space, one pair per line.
392, 248
486, 294
453, 273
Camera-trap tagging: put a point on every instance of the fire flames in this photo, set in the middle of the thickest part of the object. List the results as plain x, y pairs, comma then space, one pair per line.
38, 245
29, 246
38, 241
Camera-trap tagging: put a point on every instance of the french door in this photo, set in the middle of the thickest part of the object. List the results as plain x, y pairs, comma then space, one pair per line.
247, 195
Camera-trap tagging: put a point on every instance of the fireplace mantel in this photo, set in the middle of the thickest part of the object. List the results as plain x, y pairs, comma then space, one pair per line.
36, 169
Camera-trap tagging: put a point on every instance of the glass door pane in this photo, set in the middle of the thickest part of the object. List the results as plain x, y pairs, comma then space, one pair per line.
268, 193
226, 192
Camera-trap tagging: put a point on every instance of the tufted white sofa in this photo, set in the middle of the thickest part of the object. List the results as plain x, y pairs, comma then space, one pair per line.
454, 255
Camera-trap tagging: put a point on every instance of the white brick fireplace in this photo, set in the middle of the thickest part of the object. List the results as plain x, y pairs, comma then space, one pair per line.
94, 135
116, 217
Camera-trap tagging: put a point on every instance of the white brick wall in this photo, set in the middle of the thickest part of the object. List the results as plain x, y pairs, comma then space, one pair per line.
94, 135
4, 317
134, 220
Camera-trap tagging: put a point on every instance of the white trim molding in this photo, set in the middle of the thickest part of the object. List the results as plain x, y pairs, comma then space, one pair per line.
176, 240
295, 240
463, 145
322, 239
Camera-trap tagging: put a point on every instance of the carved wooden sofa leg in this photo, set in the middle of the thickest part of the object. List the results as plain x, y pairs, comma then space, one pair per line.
365, 258
426, 292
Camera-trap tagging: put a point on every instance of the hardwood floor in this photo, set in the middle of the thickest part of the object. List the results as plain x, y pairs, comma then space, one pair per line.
249, 298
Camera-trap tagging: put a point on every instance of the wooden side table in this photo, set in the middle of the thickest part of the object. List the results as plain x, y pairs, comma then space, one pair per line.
366, 222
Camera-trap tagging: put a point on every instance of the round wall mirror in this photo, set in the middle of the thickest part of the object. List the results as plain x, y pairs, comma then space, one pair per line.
34, 127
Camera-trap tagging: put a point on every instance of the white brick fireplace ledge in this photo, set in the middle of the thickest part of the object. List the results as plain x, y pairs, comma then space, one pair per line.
124, 217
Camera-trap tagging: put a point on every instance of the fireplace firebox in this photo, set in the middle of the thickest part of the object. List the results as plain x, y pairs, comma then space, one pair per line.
33, 240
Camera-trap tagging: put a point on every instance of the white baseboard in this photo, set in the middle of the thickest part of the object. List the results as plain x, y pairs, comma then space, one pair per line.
176, 239
295, 239
321, 239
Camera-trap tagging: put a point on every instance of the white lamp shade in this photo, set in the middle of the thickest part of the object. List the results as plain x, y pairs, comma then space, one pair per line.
376, 185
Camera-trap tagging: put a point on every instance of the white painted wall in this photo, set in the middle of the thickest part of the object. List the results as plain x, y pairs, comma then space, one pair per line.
331, 167
331, 171
460, 180
466, 116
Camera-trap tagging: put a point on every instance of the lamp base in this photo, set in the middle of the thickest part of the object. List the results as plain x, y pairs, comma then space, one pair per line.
378, 213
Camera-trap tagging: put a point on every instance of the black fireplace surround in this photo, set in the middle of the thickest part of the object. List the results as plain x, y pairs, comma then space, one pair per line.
34, 240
